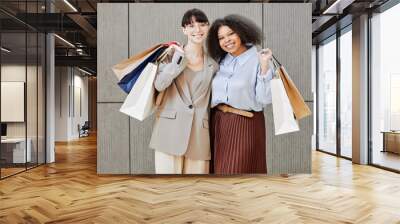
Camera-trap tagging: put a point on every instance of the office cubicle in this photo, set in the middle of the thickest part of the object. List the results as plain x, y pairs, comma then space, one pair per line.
22, 98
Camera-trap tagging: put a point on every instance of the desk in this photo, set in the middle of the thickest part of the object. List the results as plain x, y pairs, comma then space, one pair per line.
391, 141
15, 148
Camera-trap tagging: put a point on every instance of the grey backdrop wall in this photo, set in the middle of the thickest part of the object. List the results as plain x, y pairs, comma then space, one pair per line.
125, 29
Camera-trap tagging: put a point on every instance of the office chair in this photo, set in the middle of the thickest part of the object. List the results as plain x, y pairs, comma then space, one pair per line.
84, 130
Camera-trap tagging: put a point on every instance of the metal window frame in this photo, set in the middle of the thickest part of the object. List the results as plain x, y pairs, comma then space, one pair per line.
336, 38
381, 9
44, 73
389, 4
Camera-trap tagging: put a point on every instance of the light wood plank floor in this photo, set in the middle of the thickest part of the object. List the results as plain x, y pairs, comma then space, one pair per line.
69, 191
5, 172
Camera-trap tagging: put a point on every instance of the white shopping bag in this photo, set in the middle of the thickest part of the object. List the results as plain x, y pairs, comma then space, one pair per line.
284, 120
140, 102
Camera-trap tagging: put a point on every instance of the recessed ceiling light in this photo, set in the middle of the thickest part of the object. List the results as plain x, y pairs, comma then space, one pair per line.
5, 50
70, 5
64, 40
84, 71
338, 6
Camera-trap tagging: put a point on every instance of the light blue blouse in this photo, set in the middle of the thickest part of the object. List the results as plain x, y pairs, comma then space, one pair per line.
239, 82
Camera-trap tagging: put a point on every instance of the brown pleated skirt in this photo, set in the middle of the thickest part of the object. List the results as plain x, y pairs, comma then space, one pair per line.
238, 143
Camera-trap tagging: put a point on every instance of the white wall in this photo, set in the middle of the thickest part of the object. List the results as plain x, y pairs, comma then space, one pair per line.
16, 73
62, 81
80, 83
33, 126
67, 117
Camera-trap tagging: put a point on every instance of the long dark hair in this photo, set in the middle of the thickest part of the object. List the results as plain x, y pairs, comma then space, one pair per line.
248, 32
196, 14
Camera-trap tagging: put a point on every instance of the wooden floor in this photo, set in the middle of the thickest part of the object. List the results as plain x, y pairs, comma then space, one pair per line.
69, 191
5, 172
387, 159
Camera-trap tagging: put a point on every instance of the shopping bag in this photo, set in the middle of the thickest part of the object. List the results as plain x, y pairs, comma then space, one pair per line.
143, 99
300, 108
140, 102
123, 68
129, 80
284, 120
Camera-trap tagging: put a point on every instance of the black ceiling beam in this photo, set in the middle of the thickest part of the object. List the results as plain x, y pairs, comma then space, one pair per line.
84, 24
49, 22
335, 25
340, 21
82, 61
7, 16
8, 24
64, 51
91, 5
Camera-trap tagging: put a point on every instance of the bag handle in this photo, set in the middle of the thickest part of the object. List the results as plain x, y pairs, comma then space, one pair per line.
277, 65
276, 60
166, 51
160, 95
163, 55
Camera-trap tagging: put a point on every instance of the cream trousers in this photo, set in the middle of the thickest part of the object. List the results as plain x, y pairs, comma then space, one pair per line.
171, 164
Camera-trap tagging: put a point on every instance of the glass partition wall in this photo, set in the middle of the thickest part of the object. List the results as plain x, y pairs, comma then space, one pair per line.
334, 94
385, 90
327, 95
346, 75
334, 90
22, 88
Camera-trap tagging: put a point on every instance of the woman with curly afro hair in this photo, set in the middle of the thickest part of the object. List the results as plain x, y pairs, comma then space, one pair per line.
240, 91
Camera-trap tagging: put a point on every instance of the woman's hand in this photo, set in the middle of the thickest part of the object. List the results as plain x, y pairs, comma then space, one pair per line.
265, 55
178, 48
171, 51
173, 47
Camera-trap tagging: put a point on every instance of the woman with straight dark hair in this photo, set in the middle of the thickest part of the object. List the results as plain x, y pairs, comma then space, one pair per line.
240, 90
180, 134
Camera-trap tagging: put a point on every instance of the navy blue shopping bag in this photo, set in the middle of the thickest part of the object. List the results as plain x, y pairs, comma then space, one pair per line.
129, 80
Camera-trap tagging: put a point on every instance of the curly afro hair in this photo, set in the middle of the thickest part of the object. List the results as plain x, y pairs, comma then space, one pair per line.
248, 32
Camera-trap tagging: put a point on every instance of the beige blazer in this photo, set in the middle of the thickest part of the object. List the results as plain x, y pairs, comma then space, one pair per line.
181, 126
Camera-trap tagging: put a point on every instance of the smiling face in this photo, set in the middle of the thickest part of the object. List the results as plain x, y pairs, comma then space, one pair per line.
230, 41
196, 31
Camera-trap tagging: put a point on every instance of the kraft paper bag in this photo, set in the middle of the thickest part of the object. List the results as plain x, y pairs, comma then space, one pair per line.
300, 108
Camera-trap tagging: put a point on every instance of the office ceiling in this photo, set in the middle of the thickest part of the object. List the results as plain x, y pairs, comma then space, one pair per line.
79, 27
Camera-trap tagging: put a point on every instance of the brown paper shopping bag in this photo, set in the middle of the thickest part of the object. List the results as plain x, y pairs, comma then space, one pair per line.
126, 66
300, 108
